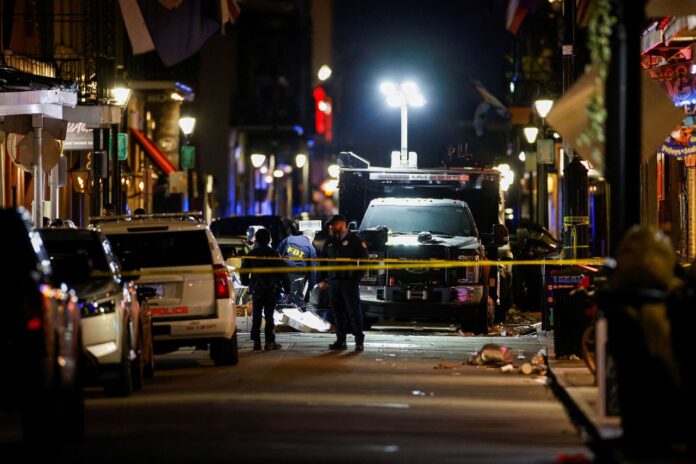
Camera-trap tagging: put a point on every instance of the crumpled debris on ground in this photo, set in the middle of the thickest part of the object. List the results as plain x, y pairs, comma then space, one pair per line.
447, 366
515, 325
491, 354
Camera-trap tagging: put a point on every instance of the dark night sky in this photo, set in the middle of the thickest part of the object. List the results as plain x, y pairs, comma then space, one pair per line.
442, 45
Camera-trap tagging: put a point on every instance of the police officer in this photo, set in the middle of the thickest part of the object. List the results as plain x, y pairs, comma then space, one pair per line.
264, 288
344, 285
299, 249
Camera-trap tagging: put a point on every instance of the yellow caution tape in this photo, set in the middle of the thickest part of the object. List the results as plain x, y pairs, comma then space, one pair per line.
372, 265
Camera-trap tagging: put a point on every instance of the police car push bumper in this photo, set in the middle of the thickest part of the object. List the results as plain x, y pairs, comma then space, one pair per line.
458, 295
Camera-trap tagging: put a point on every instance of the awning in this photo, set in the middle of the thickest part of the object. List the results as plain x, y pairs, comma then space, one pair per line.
155, 154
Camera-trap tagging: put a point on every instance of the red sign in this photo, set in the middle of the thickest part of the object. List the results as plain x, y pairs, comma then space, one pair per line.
677, 81
173, 311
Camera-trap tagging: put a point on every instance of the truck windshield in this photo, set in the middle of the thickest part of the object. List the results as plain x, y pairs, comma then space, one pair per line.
438, 219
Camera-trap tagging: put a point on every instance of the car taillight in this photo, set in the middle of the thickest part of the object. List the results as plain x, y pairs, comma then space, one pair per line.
392, 281
222, 281
34, 324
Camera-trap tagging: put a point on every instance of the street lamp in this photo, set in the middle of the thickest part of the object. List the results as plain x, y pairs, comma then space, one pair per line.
530, 133
257, 159
302, 165
543, 107
187, 125
119, 95
324, 72
334, 171
300, 160
402, 96
187, 156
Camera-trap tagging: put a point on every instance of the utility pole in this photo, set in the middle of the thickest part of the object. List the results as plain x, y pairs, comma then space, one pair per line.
576, 237
623, 99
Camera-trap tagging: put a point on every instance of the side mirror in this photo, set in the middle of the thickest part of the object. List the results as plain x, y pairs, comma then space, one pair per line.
501, 236
353, 225
145, 293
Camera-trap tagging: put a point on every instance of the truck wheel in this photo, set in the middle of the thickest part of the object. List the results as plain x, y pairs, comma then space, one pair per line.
484, 315
505, 302
223, 351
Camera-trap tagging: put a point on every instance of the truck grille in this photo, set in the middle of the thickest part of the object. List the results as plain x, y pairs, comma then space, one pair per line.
418, 275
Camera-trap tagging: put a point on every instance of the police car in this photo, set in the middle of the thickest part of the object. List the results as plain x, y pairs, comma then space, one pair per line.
192, 296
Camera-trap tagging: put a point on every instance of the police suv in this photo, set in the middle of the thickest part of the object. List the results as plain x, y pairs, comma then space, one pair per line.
192, 296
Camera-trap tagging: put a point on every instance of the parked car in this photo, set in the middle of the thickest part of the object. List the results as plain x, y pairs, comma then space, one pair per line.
238, 226
177, 257
39, 337
116, 330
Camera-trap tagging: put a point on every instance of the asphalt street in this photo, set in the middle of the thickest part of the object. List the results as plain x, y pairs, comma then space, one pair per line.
406, 398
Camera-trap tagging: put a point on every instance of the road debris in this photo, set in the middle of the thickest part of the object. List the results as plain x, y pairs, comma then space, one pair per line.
447, 366
507, 368
492, 354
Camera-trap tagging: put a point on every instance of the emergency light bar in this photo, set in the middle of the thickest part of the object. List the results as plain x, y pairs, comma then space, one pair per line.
415, 177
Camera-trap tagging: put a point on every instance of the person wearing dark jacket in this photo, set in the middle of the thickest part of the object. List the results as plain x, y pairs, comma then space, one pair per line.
264, 288
344, 285
299, 249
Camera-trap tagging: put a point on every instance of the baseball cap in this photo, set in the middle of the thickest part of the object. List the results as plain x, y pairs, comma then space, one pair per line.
336, 218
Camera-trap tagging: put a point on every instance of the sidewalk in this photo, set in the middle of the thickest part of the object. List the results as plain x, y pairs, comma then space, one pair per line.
574, 384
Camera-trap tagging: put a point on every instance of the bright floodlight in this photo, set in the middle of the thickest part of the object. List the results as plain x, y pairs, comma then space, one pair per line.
300, 160
410, 88
324, 72
278, 173
530, 133
388, 88
187, 124
416, 100
334, 170
522, 156
257, 159
543, 107
395, 99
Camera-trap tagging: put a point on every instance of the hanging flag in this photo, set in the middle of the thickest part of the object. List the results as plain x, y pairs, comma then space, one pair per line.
230, 11
175, 29
491, 100
516, 12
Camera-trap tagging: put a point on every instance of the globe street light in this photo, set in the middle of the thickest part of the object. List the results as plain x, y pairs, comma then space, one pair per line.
402, 96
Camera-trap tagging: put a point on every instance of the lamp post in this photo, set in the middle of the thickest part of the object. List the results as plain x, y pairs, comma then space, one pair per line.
402, 96
257, 162
302, 165
543, 107
120, 94
187, 157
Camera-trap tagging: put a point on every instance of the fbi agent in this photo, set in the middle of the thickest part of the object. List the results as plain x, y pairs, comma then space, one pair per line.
344, 284
300, 251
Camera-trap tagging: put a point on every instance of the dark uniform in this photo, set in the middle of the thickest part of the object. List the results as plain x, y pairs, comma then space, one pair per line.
301, 248
265, 289
344, 286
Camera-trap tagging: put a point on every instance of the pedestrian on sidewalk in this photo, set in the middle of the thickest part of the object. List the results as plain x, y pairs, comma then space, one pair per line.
299, 250
264, 287
344, 285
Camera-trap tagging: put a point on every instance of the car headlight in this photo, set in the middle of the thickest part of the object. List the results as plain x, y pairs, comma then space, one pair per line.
93, 308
